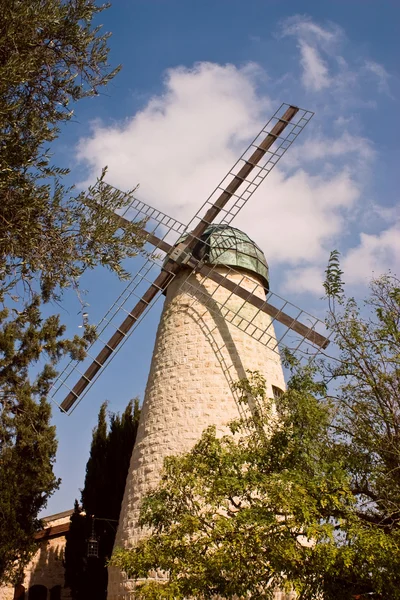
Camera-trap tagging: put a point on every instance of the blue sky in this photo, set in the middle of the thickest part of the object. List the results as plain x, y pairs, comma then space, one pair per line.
198, 81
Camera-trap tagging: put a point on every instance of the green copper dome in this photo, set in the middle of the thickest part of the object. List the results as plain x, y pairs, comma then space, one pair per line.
226, 245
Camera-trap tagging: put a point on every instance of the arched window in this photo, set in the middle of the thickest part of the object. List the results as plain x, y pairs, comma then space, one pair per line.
19, 592
55, 592
37, 592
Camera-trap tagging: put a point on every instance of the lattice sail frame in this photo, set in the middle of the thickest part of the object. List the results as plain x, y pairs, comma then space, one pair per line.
236, 315
260, 170
161, 227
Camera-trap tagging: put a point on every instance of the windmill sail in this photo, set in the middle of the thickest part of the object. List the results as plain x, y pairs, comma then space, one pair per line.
222, 206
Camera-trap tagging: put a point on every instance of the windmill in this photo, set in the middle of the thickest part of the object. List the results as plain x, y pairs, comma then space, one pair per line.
217, 321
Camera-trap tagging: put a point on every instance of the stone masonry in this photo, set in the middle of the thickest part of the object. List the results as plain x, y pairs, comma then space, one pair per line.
46, 568
198, 354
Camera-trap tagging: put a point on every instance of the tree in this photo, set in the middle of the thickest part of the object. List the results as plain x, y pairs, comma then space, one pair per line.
106, 472
27, 440
76, 549
308, 500
51, 56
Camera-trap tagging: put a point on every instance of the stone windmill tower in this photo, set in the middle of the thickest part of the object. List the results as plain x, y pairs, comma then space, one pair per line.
217, 322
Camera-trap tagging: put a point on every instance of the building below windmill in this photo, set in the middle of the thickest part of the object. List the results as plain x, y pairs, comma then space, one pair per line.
44, 575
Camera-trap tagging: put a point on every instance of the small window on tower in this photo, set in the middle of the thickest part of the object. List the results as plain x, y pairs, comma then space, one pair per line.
277, 392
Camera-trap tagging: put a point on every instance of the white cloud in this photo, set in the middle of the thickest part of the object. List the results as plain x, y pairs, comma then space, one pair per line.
324, 68
375, 254
304, 27
304, 280
185, 139
295, 218
380, 74
313, 40
315, 71
353, 148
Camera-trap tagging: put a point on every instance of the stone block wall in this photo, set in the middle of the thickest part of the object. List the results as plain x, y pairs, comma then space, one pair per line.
46, 567
198, 354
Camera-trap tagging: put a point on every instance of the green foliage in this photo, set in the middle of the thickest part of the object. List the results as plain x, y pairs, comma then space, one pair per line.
27, 441
304, 494
106, 472
333, 283
51, 57
228, 517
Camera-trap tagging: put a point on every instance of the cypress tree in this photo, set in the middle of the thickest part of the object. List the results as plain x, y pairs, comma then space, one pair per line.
27, 440
75, 549
106, 472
